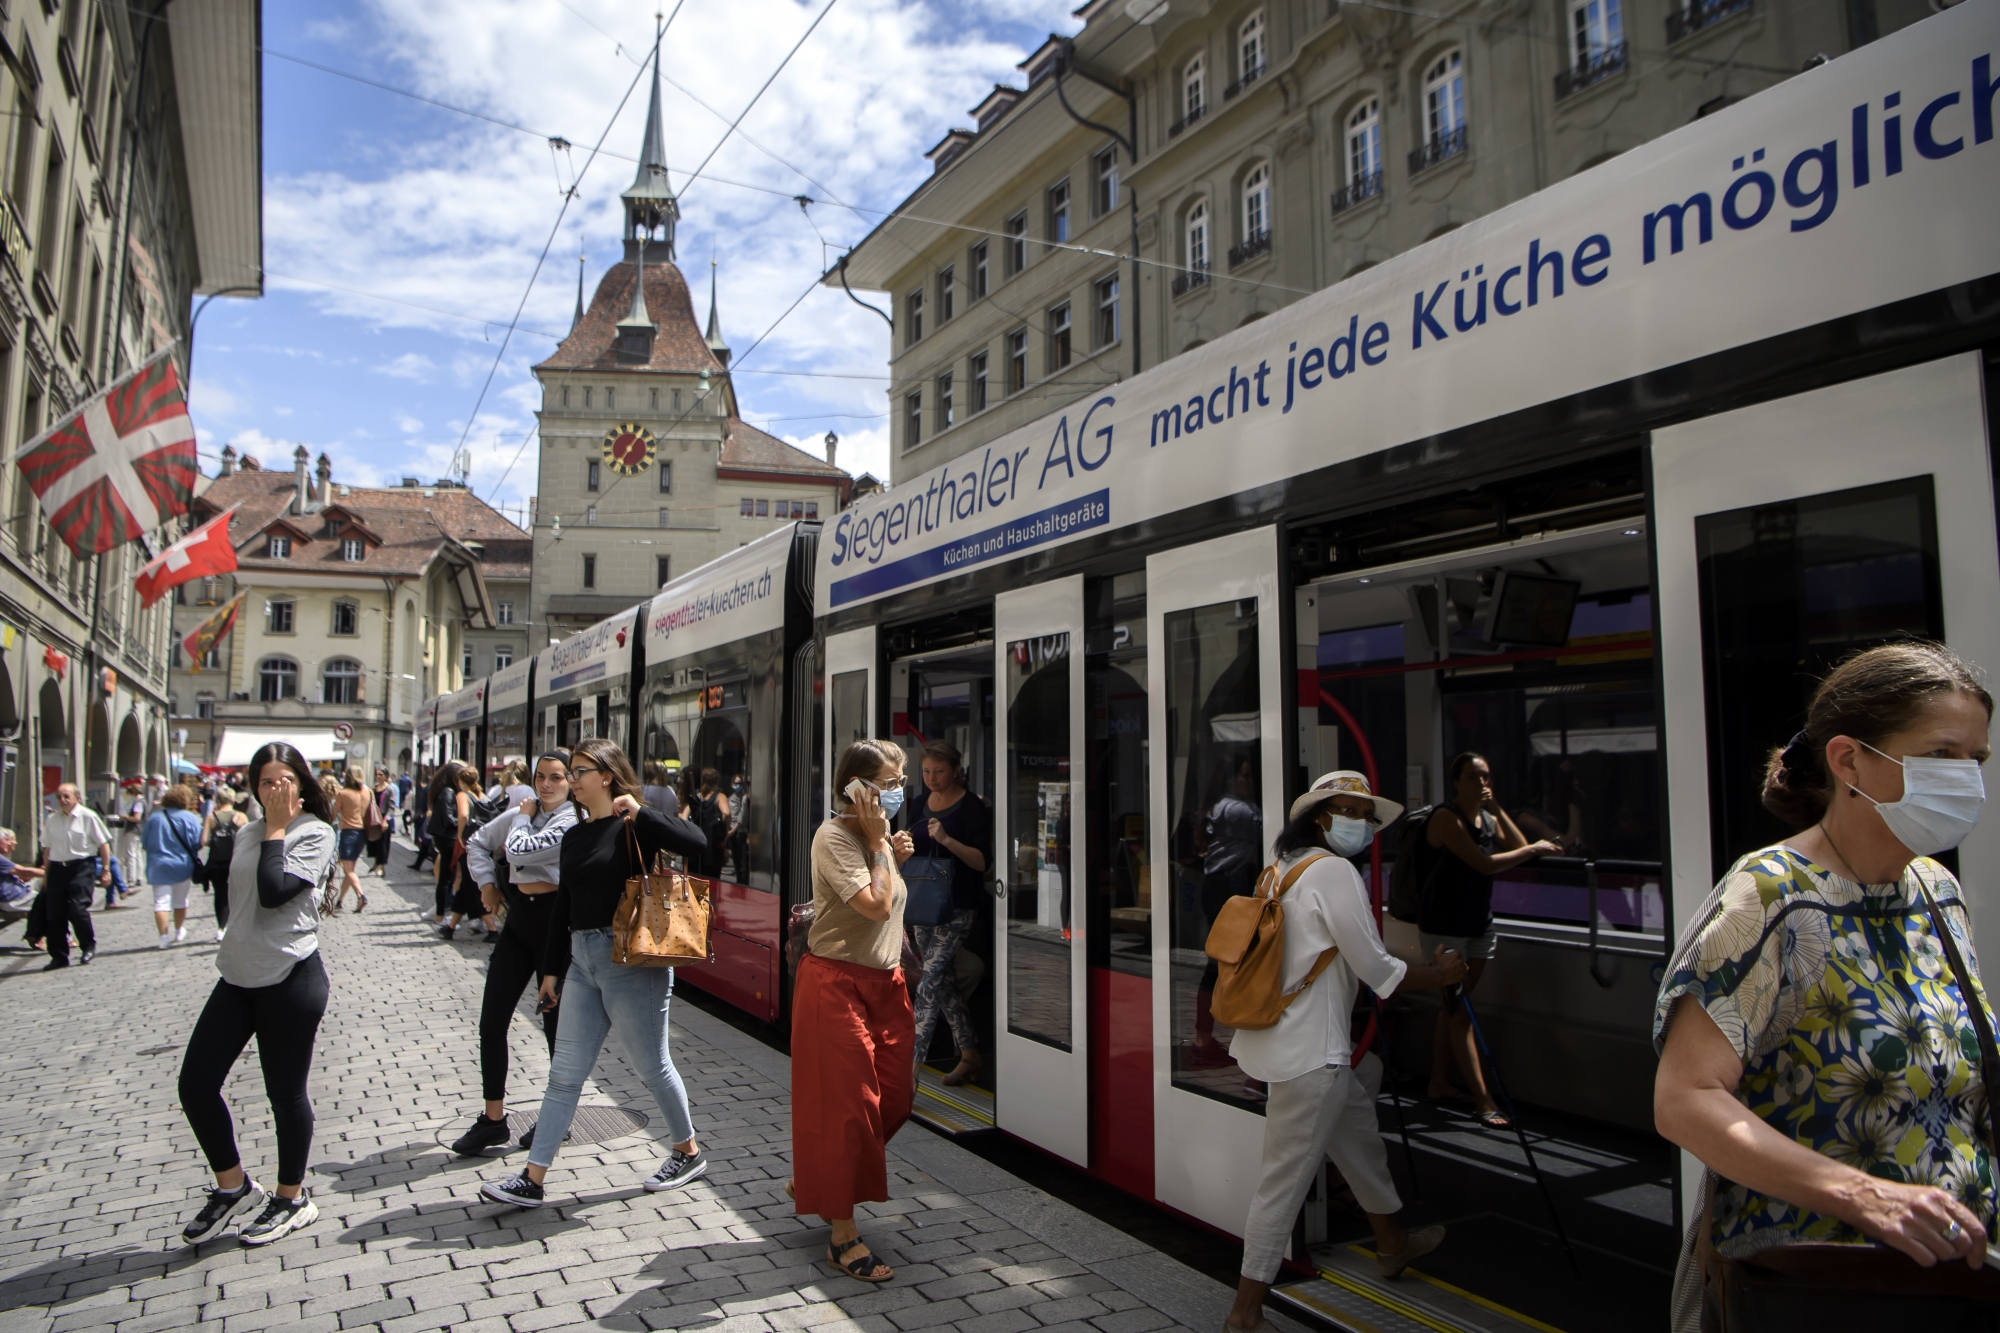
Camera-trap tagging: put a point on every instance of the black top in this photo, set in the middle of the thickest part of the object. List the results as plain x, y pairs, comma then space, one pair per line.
1458, 900
970, 822
596, 862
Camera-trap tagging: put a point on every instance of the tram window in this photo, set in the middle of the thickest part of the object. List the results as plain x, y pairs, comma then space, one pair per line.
1363, 713
850, 710
1787, 591
1119, 872
1037, 860
1215, 831
722, 743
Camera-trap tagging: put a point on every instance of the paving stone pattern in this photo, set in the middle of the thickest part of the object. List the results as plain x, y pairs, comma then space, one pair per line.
100, 1173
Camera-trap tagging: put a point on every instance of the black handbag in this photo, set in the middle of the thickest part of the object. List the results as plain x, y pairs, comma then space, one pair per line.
928, 879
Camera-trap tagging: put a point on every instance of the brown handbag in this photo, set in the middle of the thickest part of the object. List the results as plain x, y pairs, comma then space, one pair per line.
1832, 1287
663, 918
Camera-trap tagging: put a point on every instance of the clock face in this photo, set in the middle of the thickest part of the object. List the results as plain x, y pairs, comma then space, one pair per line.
629, 449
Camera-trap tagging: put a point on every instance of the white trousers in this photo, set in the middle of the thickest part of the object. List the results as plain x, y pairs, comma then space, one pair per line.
1328, 1113
132, 856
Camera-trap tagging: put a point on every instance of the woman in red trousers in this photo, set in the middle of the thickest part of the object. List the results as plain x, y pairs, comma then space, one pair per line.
853, 1035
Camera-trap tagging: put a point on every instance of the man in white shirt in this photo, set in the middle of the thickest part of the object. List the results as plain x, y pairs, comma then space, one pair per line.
1320, 1104
73, 840
132, 811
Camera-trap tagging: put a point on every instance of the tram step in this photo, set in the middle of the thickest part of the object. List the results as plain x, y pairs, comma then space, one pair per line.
955, 1111
1349, 1294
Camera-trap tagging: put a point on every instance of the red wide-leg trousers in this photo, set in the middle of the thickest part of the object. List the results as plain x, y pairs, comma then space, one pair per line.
853, 1078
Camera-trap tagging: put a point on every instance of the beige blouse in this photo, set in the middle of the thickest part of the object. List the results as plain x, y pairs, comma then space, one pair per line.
840, 870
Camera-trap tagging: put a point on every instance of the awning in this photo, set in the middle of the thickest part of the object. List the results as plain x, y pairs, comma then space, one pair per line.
239, 743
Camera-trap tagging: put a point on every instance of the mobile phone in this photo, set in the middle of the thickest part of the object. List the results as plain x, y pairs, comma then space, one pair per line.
548, 1002
853, 790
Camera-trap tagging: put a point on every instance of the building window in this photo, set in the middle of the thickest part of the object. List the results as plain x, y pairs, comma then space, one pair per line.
277, 548
277, 680
352, 549
1250, 48
1194, 94
211, 590
590, 516
1257, 204
677, 400
1364, 152
978, 403
1017, 361
1059, 212
503, 613
978, 262
565, 395
1596, 44
763, 509
590, 475
1104, 182
812, 509
610, 398
465, 665
913, 316
212, 660
665, 518
1104, 327
204, 706
340, 682
944, 402
748, 508
666, 476
1197, 236
1059, 337
590, 571
503, 658
346, 618
1017, 243
586, 397
947, 294
1444, 109
913, 408
656, 400
278, 616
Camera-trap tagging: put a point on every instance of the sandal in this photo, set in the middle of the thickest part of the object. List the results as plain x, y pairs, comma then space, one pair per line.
1492, 1119
865, 1268
788, 1192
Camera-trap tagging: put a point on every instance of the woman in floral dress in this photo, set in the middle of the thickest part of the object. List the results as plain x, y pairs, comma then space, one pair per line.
1817, 1053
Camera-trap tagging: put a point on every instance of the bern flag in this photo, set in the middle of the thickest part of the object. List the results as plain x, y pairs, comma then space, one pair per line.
211, 631
206, 550
118, 466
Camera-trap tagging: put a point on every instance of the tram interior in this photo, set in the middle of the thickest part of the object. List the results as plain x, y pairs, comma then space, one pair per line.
696, 721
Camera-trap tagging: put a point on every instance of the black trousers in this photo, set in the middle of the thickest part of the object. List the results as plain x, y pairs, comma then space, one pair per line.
285, 1020
447, 877
64, 904
516, 963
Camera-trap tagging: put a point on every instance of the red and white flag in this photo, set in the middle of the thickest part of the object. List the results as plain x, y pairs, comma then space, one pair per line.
206, 550
118, 466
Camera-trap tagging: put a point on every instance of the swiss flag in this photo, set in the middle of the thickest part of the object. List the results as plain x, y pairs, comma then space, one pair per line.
118, 466
206, 550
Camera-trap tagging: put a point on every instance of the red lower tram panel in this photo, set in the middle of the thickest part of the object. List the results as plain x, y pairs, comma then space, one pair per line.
744, 936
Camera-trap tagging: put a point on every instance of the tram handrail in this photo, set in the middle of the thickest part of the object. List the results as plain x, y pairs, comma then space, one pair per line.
1592, 867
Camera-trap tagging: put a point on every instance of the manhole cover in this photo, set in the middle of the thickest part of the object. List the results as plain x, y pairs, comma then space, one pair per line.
590, 1124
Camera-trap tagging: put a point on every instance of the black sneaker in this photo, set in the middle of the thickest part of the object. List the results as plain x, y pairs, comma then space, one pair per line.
86, 955
445, 931
484, 1134
516, 1189
679, 1169
221, 1206
280, 1218
55, 963
528, 1137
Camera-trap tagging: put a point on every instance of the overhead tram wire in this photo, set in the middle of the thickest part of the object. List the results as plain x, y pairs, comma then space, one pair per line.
689, 183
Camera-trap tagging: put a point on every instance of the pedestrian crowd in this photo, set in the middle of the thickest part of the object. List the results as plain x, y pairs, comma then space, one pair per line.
1853, 912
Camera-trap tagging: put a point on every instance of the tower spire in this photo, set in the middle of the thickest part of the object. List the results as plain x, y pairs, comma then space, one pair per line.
635, 331
716, 342
649, 201
577, 318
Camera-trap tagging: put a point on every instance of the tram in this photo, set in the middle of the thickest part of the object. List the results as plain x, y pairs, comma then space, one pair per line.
1595, 485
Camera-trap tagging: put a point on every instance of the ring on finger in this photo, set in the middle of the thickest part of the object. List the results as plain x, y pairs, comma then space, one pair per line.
1953, 1230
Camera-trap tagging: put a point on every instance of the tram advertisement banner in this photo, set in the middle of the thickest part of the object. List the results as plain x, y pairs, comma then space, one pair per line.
727, 599
1869, 180
508, 687
463, 707
591, 657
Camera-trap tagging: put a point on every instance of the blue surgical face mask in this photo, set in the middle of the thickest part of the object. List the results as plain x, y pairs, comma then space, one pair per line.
892, 802
1350, 837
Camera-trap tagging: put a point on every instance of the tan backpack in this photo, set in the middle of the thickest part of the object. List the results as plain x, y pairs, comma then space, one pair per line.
1247, 943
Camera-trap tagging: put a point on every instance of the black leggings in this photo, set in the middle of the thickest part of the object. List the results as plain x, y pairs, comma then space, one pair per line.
447, 880
284, 1018
516, 962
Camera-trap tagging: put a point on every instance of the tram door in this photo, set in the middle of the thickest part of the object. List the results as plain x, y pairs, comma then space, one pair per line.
1214, 672
850, 689
1788, 535
1040, 962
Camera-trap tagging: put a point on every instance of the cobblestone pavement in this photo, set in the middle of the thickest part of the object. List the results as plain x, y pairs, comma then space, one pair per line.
101, 1172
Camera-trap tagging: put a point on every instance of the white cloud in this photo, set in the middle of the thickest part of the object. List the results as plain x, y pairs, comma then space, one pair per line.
408, 366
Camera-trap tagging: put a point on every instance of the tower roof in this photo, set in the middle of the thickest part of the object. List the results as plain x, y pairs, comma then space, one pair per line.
716, 342
678, 347
650, 182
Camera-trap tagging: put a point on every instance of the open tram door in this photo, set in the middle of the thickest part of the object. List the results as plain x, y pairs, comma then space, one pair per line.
1217, 798
1788, 535
1040, 967
850, 695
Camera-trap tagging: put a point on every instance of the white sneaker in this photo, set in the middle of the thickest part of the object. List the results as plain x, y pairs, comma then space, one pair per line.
180, 935
220, 931
166, 938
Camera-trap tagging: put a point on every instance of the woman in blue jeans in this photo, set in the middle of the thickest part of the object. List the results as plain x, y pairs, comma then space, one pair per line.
596, 994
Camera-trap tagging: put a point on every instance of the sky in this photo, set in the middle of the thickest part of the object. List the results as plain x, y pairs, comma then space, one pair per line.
400, 237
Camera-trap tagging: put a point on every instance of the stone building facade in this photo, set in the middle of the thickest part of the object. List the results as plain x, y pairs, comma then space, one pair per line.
1281, 146
647, 471
130, 187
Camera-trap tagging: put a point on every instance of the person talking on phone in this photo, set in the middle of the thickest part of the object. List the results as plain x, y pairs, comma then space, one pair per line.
853, 1033
597, 995
516, 860
273, 987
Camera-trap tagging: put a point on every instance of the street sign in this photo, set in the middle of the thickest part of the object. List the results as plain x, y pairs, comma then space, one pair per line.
343, 731
358, 750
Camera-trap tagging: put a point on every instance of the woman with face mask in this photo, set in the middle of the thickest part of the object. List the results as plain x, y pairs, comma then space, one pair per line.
1822, 1028
1321, 1102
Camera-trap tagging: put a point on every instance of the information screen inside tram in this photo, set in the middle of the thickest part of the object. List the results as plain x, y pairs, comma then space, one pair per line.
1215, 813
1039, 816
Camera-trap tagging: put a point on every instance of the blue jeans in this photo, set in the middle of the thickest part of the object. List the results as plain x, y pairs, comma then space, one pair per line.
598, 995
